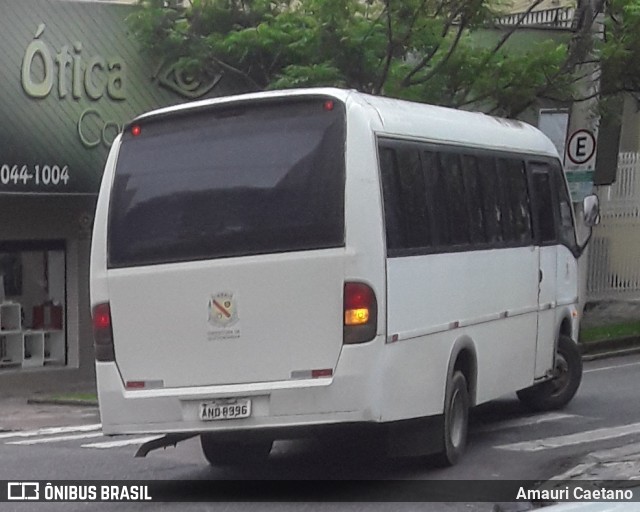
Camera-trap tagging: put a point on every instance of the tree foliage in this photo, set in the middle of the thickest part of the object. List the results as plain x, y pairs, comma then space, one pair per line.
447, 52
620, 49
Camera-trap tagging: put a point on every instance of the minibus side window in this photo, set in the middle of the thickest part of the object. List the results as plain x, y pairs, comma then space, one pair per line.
465, 200
406, 212
437, 198
567, 232
453, 193
515, 200
413, 198
543, 204
506, 201
391, 191
473, 189
491, 201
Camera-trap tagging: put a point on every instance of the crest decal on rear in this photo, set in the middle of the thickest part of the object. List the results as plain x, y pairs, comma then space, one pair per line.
223, 315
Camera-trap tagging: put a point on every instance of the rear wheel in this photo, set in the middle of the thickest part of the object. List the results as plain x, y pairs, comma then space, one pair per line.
558, 391
456, 420
234, 453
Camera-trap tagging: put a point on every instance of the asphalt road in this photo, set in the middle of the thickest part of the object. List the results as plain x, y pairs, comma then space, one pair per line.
506, 442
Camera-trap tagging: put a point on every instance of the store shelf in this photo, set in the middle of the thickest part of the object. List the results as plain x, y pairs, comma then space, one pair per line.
28, 348
33, 349
54, 347
11, 349
10, 316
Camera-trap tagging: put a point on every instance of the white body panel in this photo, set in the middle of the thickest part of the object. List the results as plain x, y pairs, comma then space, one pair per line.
489, 297
427, 305
171, 340
547, 316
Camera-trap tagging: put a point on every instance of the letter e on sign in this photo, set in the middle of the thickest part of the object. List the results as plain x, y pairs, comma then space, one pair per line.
581, 147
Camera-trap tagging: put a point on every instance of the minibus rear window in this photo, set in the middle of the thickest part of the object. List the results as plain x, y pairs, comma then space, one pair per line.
241, 180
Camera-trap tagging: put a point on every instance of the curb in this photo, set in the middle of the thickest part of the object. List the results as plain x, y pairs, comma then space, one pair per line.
611, 353
62, 401
610, 348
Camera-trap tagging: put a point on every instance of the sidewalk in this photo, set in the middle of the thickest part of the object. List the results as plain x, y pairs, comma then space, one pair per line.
621, 463
610, 313
19, 414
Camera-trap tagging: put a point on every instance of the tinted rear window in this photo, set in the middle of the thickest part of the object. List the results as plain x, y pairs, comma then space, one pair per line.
247, 179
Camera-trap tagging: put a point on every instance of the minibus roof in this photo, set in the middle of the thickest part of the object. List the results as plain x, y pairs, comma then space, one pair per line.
402, 118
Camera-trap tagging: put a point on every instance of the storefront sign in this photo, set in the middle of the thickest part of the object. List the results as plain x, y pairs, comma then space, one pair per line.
70, 78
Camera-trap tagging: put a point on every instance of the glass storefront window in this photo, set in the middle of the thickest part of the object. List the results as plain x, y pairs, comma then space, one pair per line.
32, 304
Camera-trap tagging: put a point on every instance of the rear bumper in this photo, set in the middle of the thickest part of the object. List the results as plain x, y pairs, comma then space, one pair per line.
284, 409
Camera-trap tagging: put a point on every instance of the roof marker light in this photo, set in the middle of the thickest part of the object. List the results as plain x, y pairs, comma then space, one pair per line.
328, 105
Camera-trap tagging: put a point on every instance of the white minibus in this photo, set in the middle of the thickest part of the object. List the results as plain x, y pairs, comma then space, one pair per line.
283, 264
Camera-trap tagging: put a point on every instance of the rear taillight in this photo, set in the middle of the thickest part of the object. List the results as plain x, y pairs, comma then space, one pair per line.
102, 332
360, 313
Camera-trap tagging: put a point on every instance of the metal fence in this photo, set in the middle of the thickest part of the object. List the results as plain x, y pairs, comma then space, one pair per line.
559, 17
614, 256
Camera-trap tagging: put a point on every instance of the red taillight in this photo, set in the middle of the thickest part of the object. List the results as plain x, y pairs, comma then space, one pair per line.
101, 317
360, 313
102, 332
328, 105
136, 130
319, 374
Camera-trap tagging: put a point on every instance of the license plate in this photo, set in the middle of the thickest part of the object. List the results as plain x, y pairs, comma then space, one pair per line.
214, 411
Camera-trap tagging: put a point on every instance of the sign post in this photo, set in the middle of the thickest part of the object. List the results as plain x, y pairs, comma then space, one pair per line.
580, 161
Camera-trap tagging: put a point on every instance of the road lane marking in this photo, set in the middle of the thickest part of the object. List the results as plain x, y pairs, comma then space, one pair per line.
588, 436
51, 431
56, 439
121, 442
591, 370
524, 422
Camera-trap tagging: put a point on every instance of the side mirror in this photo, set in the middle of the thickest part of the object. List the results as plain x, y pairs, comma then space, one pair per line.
591, 210
591, 217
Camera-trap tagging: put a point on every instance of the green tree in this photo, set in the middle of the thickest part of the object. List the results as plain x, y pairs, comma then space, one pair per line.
447, 52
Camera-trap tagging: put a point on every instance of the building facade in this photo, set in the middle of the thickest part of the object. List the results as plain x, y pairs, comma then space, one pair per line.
70, 78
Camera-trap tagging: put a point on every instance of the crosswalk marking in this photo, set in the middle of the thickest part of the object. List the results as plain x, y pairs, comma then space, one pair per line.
56, 439
92, 431
121, 442
69, 433
588, 436
51, 431
523, 422
614, 367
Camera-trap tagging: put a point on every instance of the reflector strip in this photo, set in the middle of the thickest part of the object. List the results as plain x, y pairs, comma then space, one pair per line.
144, 384
317, 374
312, 374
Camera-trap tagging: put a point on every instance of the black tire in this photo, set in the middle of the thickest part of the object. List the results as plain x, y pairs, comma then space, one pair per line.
455, 422
234, 453
557, 392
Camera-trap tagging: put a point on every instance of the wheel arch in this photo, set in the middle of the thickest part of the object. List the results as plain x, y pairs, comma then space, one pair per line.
565, 326
464, 358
